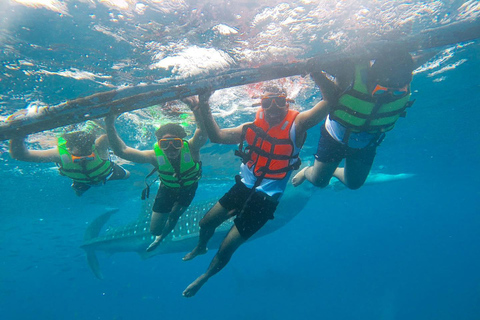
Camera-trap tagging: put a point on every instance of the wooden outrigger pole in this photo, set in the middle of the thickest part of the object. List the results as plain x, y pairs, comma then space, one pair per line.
132, 98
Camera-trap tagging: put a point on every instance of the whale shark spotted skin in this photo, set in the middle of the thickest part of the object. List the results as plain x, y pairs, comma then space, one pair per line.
136, 237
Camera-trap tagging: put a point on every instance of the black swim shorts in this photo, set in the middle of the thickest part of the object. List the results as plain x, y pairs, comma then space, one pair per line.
118, 173
330, 150
79, 187
167, 197
253, 210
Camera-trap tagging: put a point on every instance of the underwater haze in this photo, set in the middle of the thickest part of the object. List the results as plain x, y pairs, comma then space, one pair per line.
399, 250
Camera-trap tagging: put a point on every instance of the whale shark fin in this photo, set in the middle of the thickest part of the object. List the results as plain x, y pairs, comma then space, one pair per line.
92, 232
94, 228
93, 263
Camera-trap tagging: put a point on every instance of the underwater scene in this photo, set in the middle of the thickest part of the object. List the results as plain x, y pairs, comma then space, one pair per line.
403, 245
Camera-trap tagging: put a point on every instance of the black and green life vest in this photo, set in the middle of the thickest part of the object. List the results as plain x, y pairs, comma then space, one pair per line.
92, 171
189, 173
358, 111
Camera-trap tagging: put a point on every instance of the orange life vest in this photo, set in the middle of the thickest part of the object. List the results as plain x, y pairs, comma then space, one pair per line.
270, 149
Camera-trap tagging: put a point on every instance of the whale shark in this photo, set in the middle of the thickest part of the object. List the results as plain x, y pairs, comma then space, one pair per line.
136, 237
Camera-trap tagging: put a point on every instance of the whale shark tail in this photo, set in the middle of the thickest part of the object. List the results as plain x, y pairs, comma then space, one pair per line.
92, 232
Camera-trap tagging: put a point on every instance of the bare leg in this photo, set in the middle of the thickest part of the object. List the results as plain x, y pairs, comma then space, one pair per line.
340, 175
354, 174
170, 223
208, 224
299, 178
230, 244
158, 222
319, 174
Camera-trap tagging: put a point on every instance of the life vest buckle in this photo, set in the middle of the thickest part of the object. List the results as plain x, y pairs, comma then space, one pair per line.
146, 192
243, 155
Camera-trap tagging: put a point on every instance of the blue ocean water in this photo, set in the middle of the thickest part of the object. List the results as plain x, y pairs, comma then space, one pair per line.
401, 250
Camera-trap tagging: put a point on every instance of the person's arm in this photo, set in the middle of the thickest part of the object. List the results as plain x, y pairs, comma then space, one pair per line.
102, 144
422, 58
342, 71
217, 135
122, 150
309, 118
200, 135
19, 151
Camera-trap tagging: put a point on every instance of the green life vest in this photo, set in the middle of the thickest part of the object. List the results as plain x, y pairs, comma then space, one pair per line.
190, 170
92, 171
358, 111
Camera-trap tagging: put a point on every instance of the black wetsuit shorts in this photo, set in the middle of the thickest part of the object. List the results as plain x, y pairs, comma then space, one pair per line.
118, 172
253, 209
330, 150
167, 197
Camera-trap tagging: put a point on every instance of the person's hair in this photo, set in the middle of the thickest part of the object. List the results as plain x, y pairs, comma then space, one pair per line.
171, 128
81, 140
273, 90
393, 68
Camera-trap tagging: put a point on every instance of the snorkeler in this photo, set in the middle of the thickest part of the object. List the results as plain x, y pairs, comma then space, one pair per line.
178, 164
80, 156
374, 95
274, 141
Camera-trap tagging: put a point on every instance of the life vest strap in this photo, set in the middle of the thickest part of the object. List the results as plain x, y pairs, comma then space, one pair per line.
368, 126
376, 115
146, 190
293, 166
360, 95
84, 171
272, 156
260, 134
245, 154
192, 174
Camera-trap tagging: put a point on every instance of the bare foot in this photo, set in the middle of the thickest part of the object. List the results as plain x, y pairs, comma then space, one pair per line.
195, 252
299, 177
154, 244
193, 288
